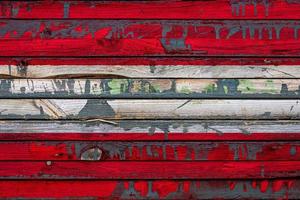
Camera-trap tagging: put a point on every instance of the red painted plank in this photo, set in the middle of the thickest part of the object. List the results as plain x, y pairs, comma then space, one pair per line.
227, 189
213, 9
149, 170
179, 151
172, 136
149, 38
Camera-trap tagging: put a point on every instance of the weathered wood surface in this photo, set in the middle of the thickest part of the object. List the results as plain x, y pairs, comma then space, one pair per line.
152, 130
213, 9
72, 38
145, 170
143, 151
25, 62
150, 88
156, 189
230, 69
148, 109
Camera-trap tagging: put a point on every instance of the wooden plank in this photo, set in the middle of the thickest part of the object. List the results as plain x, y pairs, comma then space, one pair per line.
149, 88
230, 69
148, 109
154, 61
153, 170
214, 9
152, 189
149, 38
157, 189
158, 130
143, 151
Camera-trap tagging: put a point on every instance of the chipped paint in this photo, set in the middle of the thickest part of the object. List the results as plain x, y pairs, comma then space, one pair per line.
150, 88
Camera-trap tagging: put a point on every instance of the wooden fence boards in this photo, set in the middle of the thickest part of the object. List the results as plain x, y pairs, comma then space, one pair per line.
149, 99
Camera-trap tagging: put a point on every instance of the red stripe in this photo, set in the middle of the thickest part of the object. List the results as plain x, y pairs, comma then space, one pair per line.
149, 38
213, 9
149, 170
149, 151
279, 189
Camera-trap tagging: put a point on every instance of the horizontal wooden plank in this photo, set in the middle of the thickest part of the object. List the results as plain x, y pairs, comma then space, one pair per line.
149, 88
171, 151
141, 130
153, 61
149, 170
157, 189
123, 70
148, 109
214, 9
149, 38
199, 189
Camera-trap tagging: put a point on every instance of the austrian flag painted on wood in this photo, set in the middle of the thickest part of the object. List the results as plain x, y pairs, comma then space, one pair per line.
166, 99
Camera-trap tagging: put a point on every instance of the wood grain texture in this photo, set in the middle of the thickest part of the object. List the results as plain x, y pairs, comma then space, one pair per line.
26, 62
157, 189
215, 9
147, 150
71, 38
148, 109
149, 88
154, 170
152, 130
66, 68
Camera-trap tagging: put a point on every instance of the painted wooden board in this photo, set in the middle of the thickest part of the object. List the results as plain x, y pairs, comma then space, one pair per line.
143, 151
72, 38
67, 69
214, 9
153, 61
149, 88
157, 189
148, 109
143, 130
143, 170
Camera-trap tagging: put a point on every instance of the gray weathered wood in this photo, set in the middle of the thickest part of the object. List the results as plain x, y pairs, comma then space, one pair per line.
148, 109
149, 88
156, 71
151, 126
150, 130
